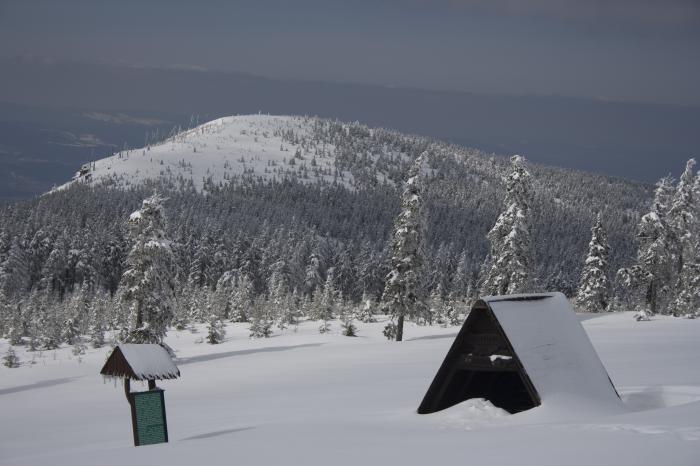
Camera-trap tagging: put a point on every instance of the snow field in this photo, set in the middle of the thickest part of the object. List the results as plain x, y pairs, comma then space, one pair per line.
305, 398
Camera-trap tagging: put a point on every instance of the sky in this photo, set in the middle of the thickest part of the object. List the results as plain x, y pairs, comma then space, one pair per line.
619, 50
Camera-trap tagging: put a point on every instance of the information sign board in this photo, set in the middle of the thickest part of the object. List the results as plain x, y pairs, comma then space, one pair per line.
148, 417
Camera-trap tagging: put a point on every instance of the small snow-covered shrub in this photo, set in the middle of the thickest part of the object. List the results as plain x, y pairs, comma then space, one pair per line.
217, 332
11, 359
390, 331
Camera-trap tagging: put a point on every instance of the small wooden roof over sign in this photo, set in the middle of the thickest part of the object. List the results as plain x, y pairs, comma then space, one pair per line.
140, 362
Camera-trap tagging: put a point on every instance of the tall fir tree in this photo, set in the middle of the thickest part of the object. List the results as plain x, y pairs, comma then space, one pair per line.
262, 319
347, 319
687, 299
147, 285
366, 309
437, 306
97, 310
402, 291
509, 267
312, 278
683, 219
242, 299
327, 304
651, 279
682, 215
594, 289
5, 314
47, 322
278, 299
215, 327
17, 324
460, 281
14, 270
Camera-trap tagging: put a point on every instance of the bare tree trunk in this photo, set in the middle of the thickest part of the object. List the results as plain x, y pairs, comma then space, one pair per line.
652, 296
399, 328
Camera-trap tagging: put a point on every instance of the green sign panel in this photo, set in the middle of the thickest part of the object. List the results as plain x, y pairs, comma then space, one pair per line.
148, 417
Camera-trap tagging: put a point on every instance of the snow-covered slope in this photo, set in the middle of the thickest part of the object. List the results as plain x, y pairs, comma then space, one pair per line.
257, 146
305, 398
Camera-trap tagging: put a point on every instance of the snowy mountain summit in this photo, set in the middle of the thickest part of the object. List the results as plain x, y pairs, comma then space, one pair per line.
259, 147
342, 181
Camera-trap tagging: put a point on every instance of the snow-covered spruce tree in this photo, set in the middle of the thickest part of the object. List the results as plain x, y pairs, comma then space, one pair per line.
327, 304
452, 315
197, 300
241, 299
194, 297
181, 316
654, 272
77, 315
315, 306
5, 314
78, 347
221, 300
147, 284
460, 282
10, 359
278, 300
38, 334
687, 299
347, 320
97, 320
313, 273
509, 267
294, 308
683, 220
198, 275
71, 331
625, 296
437, 306
366, 309
682, 215
216, 332
14, 271
664, 193
593, 293
47, 321
261, 319
401, 297
305, 306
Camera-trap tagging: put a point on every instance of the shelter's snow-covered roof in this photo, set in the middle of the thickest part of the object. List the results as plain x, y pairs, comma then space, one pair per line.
554, 348
149, 361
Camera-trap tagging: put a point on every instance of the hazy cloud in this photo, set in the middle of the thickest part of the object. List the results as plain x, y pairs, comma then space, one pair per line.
123, 119
644, 50
660, 12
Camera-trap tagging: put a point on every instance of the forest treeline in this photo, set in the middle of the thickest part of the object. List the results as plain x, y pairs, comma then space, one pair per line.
240, 245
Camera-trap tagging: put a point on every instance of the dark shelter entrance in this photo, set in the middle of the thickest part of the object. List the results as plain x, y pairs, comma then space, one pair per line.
481, 364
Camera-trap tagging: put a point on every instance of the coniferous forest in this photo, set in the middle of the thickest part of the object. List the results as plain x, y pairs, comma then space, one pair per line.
92, 257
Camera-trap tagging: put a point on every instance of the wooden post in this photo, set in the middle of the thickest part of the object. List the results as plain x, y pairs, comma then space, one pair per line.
127, 388
152, 384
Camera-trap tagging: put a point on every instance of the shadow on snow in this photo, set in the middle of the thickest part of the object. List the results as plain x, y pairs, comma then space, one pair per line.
433, 337
268, 349
35, 385
218, 432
